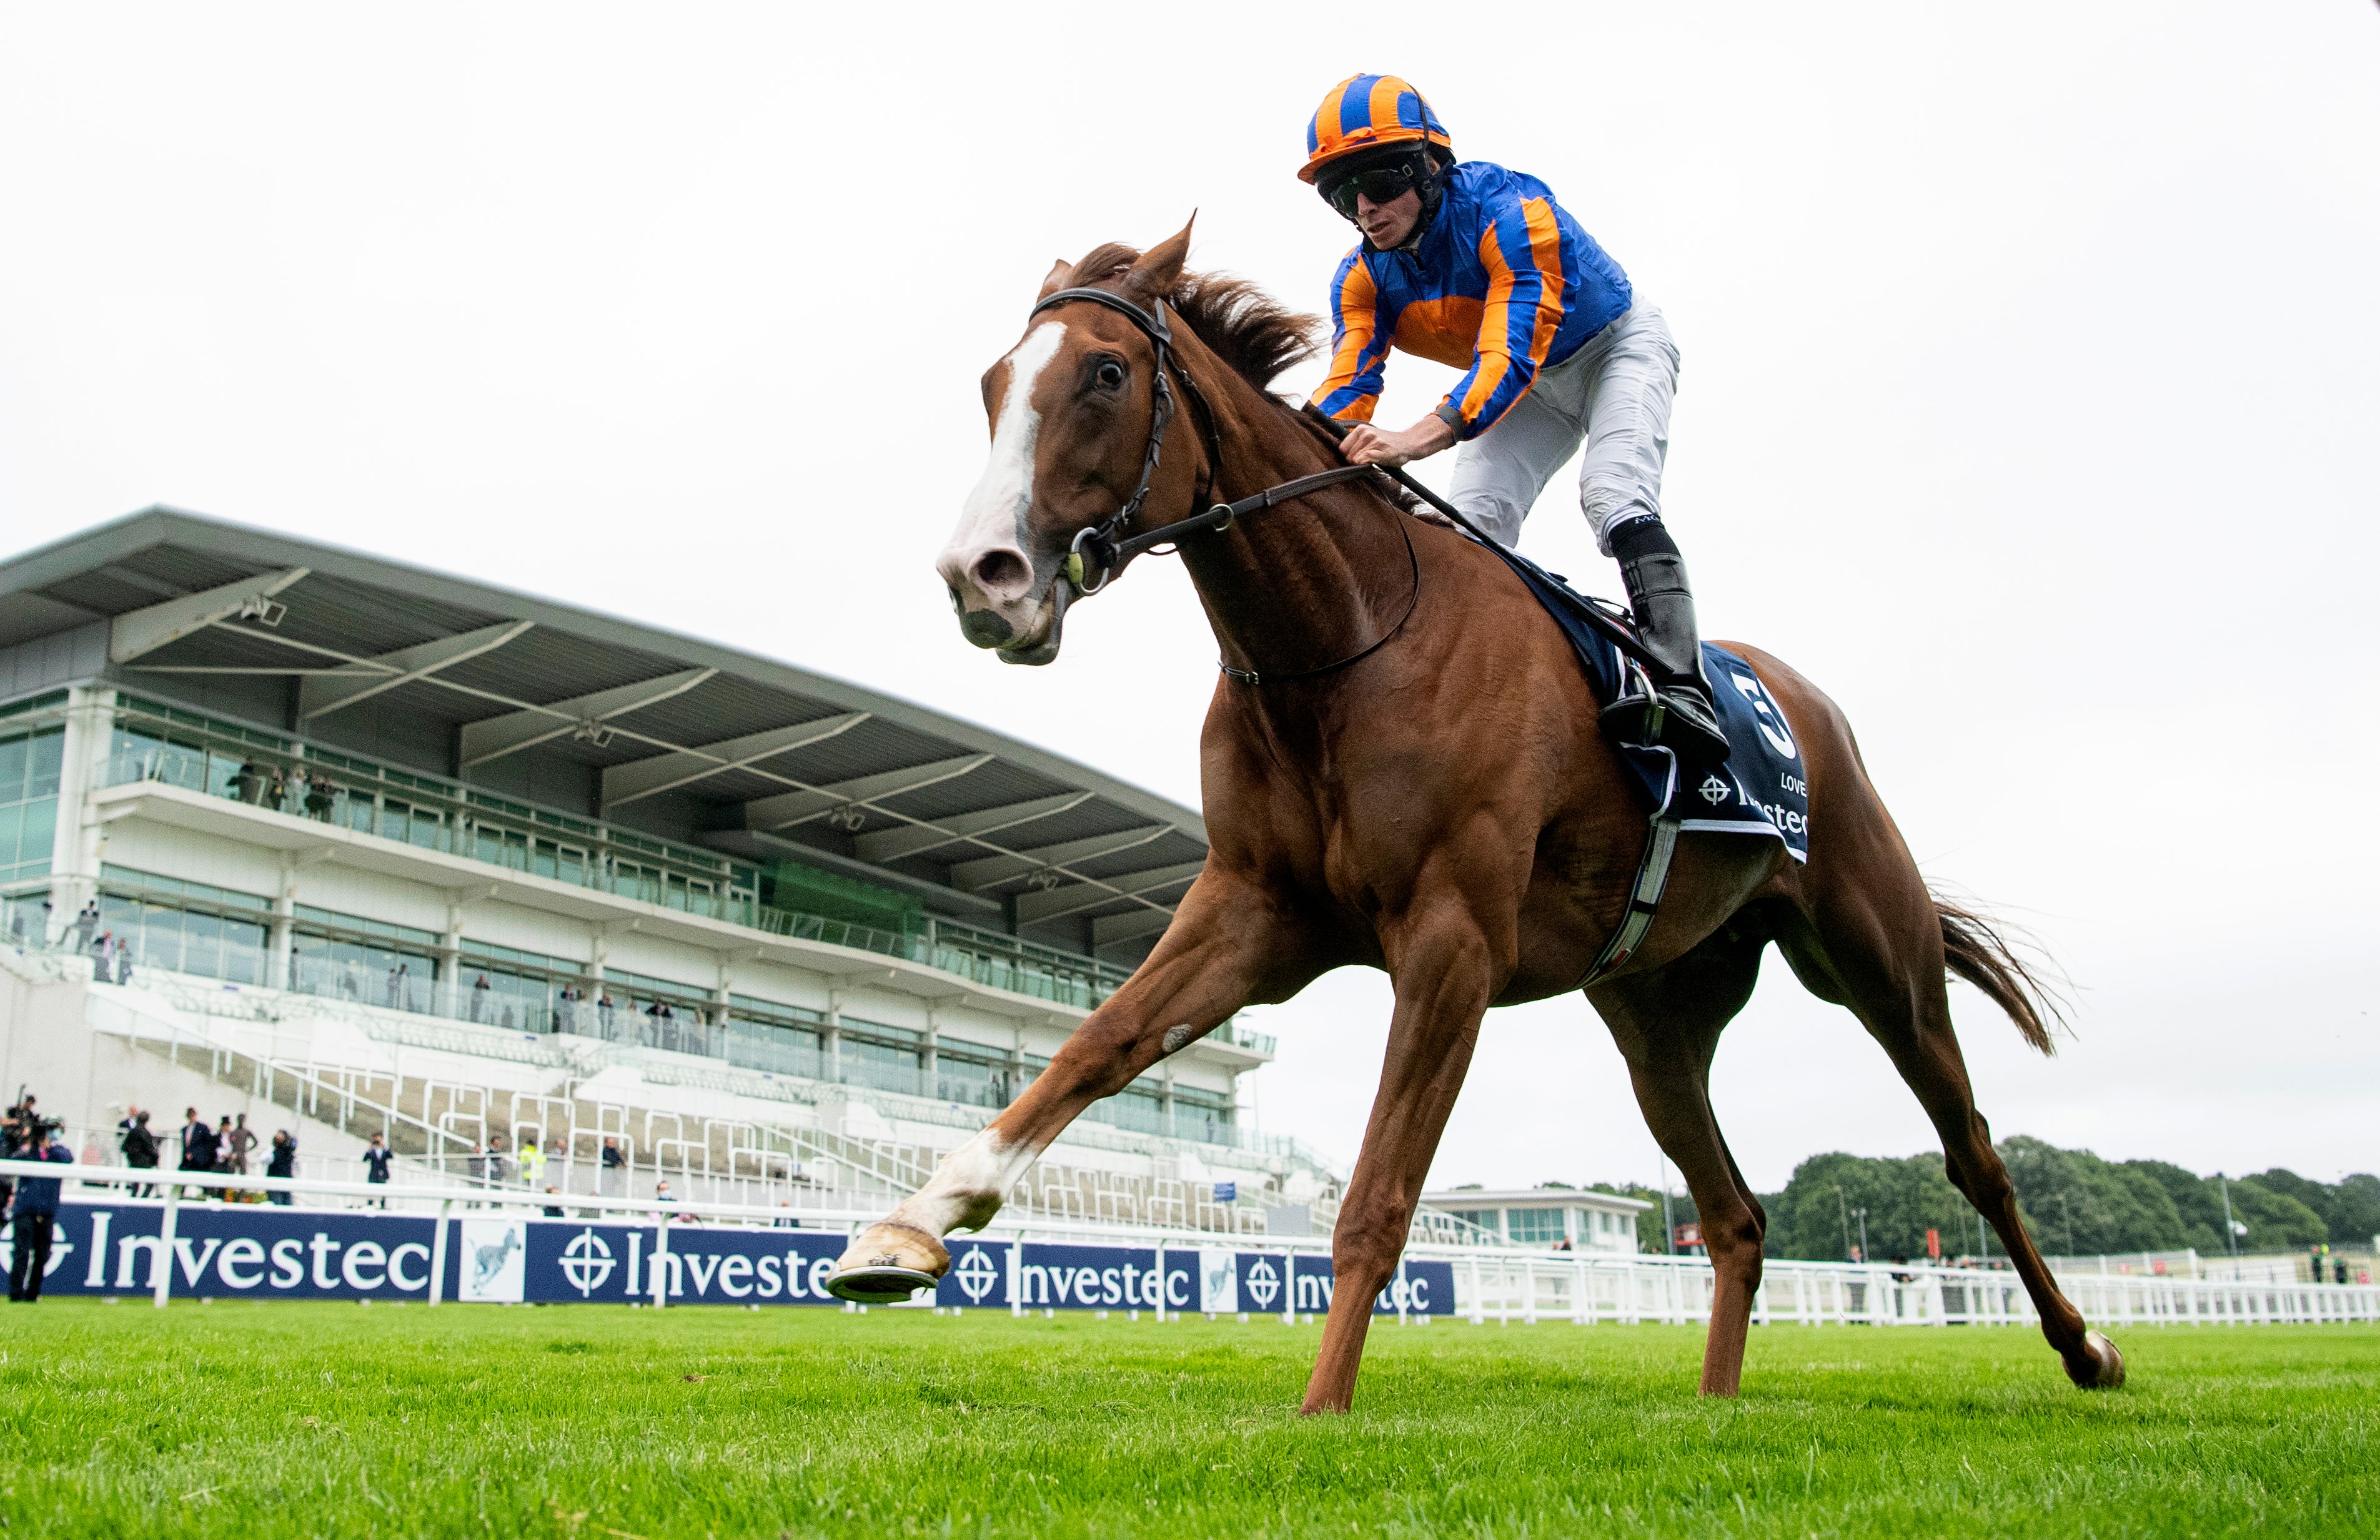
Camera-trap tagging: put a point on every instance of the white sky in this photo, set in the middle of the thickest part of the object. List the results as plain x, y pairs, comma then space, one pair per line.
2032, 376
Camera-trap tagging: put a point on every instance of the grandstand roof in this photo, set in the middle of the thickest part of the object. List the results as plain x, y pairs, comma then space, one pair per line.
601, 718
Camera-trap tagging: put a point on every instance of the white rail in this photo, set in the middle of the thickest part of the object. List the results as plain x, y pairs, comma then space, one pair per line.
1584, 1290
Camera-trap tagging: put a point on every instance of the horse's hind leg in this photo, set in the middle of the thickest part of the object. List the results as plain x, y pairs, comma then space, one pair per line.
1881, 954
1667, 1023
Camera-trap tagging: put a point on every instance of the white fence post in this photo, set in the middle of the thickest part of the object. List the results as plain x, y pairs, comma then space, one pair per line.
164, 1280
438, 1253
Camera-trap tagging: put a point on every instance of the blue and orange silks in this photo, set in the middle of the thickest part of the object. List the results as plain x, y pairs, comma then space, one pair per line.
1502, 283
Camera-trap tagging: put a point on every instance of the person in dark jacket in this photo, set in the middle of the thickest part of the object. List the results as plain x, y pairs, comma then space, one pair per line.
140, 1145
376, 1159
198, 1143
283, 1162
34, 1213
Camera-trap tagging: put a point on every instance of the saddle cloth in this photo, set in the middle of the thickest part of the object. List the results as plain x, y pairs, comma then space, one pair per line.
1760, 790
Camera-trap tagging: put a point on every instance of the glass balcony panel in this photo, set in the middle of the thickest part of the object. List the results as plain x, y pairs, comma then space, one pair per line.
49, 755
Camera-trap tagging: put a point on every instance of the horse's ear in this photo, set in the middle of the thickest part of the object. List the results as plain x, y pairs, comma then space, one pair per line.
1158, 271
1060, 271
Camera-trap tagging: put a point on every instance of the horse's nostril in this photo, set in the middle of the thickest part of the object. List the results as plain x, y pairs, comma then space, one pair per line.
958, 605
997, 571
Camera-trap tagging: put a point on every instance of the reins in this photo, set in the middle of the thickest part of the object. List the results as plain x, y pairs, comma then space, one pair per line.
1097, 543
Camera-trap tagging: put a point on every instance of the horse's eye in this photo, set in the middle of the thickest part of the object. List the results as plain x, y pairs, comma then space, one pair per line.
1110, 375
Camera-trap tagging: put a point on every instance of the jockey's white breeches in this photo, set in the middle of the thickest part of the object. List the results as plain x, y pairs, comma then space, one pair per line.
1614, 394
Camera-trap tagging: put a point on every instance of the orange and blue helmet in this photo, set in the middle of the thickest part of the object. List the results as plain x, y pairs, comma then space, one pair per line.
1365, 112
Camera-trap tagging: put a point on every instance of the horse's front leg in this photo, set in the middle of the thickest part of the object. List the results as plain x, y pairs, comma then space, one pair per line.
1228, 944
1446, 969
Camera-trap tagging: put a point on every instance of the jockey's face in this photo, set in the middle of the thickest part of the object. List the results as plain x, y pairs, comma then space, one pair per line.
1388, 225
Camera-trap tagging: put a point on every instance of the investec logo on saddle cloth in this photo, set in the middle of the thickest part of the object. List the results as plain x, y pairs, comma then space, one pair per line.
1760, 790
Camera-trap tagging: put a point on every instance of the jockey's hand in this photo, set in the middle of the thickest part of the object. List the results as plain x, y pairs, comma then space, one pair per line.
1367, 445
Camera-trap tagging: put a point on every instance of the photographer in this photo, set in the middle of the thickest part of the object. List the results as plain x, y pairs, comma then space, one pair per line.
284, 1161
34, 1212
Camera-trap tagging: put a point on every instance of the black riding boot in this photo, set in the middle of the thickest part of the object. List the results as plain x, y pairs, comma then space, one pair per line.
1679, 717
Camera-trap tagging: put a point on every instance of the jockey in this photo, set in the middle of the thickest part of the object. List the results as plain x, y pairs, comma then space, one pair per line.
1478, 268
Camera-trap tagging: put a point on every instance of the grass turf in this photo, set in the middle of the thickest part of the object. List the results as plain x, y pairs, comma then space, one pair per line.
294, 1419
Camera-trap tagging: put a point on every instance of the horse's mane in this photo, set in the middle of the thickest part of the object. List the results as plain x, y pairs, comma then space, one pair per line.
1245, 327
1255, 334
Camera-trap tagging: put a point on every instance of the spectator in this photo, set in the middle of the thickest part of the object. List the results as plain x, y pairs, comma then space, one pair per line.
319, 796
276, 789
554, 1210
787, 1218
282, 1161
377, 1156
247, 781
86, 924
603, 1008
532, 1160
662, 1194
222, 1154
198, 1143
480, 999
12, 1139
123, 962
241, 1141
616, 1170
140, 1145
34, 1212
400, 987
495, 1158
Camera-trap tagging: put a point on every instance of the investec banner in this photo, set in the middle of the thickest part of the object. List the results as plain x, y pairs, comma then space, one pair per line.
264, 1252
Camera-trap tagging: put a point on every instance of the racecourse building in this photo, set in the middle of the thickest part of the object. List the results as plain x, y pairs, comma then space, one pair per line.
1565, 1218
307, 835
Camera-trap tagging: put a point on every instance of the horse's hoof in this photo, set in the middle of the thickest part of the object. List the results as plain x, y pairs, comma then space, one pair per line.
2098, 1366
887, 1265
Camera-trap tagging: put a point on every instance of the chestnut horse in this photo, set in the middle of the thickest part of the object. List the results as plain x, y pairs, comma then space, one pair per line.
1443, 808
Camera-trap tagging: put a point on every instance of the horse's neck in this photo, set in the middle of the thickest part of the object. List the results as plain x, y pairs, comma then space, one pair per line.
1304, 584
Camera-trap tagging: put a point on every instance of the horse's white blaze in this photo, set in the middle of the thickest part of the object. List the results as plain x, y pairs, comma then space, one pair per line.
994, 515
972, 1181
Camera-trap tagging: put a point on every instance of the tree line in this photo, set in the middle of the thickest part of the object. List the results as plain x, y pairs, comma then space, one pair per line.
2075, 1203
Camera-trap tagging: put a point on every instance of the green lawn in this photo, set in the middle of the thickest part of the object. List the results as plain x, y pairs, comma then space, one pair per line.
290, 1420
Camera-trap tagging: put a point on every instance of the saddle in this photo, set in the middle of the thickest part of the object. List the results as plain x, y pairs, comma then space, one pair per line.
1760, 790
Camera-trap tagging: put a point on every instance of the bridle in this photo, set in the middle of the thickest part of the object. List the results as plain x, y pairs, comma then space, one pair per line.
1096, 547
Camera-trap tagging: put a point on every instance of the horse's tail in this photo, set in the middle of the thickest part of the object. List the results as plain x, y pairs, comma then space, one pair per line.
1975, 948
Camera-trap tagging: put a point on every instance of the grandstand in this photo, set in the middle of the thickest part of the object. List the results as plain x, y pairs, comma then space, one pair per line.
351, 847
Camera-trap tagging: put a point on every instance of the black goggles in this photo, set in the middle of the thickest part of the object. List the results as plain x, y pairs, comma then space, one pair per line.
1383, 184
